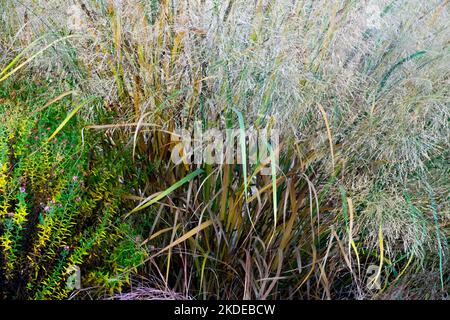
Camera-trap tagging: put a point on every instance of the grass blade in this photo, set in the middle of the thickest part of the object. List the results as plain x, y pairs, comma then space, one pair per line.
23, 64
69, 116
154, 198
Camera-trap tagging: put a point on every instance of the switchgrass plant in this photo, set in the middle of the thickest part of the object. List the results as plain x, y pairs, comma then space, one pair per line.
356, 207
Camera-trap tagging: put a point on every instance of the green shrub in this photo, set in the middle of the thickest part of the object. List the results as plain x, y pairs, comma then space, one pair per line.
60, 201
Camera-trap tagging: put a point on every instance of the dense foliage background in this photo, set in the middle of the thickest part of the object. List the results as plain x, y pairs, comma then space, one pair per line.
358, 206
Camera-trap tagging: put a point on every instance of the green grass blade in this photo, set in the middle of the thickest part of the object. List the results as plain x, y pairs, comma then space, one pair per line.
69, 116
388, 74
19, 56
152, 199
23, 64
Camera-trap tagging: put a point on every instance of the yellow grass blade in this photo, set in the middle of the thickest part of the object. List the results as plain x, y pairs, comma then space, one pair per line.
186, 236
69, 116
352, 242
53, 101
381, 244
